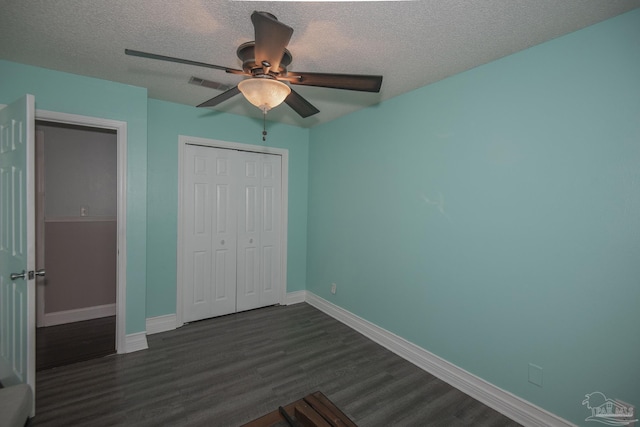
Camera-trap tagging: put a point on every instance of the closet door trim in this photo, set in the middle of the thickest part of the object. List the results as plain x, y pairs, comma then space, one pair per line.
183, 141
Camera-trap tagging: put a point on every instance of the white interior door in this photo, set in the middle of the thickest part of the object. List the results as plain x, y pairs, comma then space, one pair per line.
259, 184
271, 243
248, 232
231, 231
17, 243
210, 233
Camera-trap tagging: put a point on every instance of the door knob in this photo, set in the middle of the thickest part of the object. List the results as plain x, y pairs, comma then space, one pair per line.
40, 273
15, 276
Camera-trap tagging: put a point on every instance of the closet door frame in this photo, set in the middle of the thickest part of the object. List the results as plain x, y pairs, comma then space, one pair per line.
183, 141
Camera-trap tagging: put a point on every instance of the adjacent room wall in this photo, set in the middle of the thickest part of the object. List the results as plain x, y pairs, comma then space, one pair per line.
493, 218
80, 260
69, 93
166, 122
80, 171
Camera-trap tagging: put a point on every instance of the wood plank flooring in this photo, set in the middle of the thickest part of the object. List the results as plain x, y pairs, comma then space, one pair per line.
229, 370
75, 342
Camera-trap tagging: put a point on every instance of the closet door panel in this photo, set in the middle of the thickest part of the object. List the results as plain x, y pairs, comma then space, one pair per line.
197, 297
270, 245
249, 223
224, 237
209, 276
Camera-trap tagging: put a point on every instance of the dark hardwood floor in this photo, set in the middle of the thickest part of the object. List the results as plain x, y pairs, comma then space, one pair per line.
75, 342
229, 370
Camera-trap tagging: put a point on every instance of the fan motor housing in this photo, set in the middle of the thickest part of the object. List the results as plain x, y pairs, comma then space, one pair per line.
246, 53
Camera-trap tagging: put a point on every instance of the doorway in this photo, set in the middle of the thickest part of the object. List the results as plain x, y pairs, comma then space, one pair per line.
76, 242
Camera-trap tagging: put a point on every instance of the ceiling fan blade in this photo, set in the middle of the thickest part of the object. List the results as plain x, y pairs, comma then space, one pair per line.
300, 105
271, 39
208, 83
132, 52
360, 82
220, 98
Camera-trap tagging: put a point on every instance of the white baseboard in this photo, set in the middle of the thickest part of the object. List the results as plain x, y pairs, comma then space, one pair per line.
508, 404
168, 322
158, 324
79, 314
136, 342
295, 297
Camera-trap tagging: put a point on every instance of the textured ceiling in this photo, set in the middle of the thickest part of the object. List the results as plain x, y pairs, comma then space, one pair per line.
410, 43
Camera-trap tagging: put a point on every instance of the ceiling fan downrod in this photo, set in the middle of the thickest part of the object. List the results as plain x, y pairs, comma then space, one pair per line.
264, 125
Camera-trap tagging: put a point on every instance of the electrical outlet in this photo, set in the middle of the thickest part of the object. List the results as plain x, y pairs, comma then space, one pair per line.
535, 374
84, 210
334, 288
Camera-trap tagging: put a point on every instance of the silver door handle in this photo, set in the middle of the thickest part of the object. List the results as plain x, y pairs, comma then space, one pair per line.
40, 273
15, 276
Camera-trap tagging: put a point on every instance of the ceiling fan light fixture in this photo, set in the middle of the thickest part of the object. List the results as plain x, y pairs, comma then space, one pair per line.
264, 93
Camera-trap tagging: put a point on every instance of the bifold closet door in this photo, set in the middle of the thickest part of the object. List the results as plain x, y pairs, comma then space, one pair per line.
259, 204
231, 231
209, 272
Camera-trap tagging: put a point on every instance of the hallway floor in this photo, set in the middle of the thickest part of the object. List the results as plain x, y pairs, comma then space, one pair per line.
75, 342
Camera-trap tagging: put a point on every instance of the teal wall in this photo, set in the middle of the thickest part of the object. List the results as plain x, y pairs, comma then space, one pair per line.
493, 218
167, 121
68, 93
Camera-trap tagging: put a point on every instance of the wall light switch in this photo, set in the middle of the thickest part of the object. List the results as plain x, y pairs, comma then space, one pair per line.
535, 374
334, 288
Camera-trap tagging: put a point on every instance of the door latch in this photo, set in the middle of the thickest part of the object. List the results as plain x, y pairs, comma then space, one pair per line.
30, 275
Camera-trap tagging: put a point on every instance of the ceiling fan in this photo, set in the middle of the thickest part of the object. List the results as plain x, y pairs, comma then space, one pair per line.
264, 62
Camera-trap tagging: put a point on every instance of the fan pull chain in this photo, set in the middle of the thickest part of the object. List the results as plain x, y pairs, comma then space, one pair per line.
264, 126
